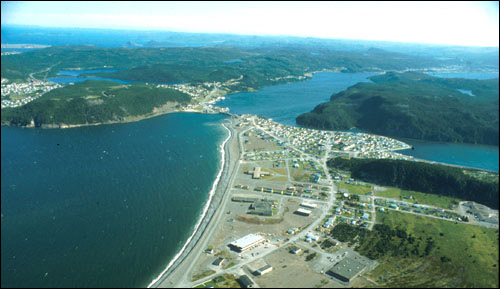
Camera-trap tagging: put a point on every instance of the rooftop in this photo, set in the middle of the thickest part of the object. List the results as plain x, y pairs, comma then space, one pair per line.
347, 268
247, 240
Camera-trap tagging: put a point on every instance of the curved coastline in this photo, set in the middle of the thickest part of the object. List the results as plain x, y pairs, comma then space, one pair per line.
205, 217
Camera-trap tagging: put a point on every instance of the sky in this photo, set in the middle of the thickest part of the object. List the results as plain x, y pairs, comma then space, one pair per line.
449, 23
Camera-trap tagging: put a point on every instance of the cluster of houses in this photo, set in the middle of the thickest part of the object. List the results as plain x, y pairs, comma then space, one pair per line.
29, 91
310, 237
191, 90
329, 222
362, 142
351, 144
417, 208
307, 140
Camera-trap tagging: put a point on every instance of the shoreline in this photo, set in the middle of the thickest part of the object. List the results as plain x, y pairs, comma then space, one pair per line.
129, 119
209, 211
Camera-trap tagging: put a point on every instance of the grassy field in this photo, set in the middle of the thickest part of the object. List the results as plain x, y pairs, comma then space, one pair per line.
355, 189
278, 179
281, 171
417, 197
472, 252
300, 175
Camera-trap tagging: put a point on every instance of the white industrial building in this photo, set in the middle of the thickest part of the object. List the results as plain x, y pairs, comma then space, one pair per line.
303, 212
250, 241
309, 205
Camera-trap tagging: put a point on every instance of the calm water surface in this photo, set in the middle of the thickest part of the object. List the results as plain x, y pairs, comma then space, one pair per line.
283, 103
111, 205
103, 206
469, 155
75, 76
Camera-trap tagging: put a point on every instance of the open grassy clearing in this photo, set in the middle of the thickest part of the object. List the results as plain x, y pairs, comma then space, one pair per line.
355, 189
418, 197
464, 255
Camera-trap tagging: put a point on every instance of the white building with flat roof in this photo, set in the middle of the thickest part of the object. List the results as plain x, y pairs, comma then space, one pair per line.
303, 212
250, 241
309, 205
264, 270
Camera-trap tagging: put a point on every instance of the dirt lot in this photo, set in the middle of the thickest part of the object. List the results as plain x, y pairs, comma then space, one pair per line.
256, 144
292, 271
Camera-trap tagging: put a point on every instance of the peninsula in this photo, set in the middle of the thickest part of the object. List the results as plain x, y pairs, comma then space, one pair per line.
414, 105
283, 216
291, 206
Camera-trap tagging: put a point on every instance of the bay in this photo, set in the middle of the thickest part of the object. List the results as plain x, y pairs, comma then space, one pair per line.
283, 103
462, 154
103, 206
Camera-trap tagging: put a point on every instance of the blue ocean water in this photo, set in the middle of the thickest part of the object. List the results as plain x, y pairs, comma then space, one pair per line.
103, 206
283, 103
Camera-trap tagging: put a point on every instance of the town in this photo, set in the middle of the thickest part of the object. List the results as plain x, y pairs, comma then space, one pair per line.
18, 94
274, 227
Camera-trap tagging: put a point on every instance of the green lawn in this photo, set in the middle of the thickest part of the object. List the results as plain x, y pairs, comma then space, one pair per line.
355, 189
474, 261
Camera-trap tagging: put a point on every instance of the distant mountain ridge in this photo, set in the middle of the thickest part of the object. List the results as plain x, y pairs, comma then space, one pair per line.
472, 58
414, 105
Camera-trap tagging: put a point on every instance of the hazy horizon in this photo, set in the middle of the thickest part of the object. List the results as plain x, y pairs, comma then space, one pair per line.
472, 24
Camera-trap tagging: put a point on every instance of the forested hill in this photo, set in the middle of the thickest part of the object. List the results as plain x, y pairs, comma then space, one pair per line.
94, 102
190, 65
414, 105
466, 184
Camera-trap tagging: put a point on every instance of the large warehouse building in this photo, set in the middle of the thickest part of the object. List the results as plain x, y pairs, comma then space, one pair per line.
248, 242
346, 270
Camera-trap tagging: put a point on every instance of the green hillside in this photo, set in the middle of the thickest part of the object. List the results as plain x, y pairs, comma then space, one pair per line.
465, 184
414, 105
93, 102
257, 66
421, 252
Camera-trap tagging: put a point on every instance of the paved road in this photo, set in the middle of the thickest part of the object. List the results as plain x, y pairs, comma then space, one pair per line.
292, 239
43, 70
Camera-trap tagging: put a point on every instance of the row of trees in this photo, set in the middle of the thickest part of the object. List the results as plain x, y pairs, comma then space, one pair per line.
423, 177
